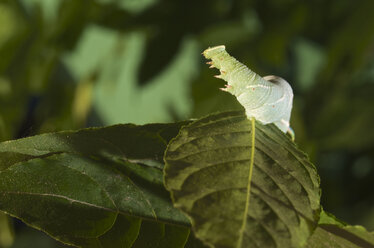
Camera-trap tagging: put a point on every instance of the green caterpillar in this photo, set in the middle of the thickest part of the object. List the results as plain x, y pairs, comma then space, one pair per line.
268, 99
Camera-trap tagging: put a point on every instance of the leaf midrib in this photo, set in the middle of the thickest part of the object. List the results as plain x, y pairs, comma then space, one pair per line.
248, 195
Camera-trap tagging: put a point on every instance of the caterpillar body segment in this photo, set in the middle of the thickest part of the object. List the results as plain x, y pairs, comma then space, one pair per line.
268, 99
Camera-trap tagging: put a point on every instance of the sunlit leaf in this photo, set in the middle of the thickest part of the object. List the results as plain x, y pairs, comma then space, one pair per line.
207, 173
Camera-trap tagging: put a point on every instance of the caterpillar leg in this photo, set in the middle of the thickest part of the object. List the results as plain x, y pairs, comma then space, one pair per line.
291, 133
226, 87
285, 127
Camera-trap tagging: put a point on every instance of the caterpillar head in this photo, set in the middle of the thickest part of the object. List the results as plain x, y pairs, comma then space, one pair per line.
219, 58
212, 52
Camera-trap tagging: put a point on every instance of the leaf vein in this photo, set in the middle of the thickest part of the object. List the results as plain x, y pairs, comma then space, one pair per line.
62, 197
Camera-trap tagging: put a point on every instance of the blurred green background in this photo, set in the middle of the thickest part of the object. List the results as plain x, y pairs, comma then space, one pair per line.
68, 64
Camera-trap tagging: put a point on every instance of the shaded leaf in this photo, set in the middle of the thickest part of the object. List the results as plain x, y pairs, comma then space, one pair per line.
61, 194
6, 231
124, 141
167, 32
207, 173
79, 199
162, 49
91, 187
122, 233
159, 235
194, 242
334, 233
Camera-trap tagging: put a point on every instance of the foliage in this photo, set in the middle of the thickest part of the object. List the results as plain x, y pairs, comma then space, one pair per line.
92, 187
207, 172
103, 187
71, 64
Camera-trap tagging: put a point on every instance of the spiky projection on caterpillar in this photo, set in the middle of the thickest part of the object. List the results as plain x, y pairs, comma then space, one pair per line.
268, 99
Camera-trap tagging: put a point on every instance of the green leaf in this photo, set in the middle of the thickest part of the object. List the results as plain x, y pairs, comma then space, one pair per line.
207, 173
6, 231
124, 141
193, 242
159, 235
122, 234
45, 194
117, 60
92, 187
334, 233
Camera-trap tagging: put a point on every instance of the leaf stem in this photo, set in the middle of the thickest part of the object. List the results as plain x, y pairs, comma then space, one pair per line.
242, 229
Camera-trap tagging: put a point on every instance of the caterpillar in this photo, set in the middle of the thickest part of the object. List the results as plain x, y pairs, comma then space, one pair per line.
268, 99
